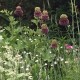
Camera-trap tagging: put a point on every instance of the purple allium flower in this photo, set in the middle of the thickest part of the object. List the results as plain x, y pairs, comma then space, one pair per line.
44, 28
18, 12
64, 20
54, 43
45, 15
37, 12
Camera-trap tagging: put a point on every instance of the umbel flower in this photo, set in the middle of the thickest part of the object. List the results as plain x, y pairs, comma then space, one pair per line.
37, 12
18, 12
45, 15
54, 43
64, 20
44, 28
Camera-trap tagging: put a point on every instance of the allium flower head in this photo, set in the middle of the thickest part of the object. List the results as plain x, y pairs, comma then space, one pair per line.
44, 28
37, 12
18, 12
45, 15
54, 43
64, 20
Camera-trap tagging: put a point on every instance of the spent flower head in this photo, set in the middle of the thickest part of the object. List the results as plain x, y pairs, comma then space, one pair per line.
18, 12
63, 21
54, 43
37, 12
44, 28
45, 15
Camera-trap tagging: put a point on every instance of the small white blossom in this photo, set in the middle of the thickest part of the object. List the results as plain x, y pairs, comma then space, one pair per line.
30, 39
50, 52
22, 67
17, 39
35, 39
45, 64
27, 69
36, 61
55, 62
30, 78
1, 38
61, 59
36, 55
66, 62
52, 65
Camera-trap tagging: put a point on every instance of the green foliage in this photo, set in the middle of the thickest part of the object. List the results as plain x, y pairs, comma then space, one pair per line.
26, 54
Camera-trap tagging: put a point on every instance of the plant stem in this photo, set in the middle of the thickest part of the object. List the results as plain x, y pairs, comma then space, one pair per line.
43, 5
72, 6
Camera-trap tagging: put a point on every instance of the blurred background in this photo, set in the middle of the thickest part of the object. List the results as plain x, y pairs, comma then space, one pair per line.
54, 7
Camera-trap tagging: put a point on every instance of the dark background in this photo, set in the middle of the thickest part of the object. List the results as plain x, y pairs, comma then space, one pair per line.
53, 6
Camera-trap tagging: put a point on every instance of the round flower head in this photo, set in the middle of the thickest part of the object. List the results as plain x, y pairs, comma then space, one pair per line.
37, 12
64, 20
54, 43
18, 12
44, 28
45, 15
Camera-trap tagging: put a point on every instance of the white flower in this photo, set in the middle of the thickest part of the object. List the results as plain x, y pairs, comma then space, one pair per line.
35, 39
30, 39
36, 55
45, 64
30, 78
52, 65
1, 38
50, 52
62, 59
55, 62
66, 62
18, 57
22, 67
27, 69
36, 61
2, 30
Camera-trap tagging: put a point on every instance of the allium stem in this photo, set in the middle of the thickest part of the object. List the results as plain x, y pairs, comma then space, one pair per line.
57, 24
43, 5
48, 4
77, 22
72, 6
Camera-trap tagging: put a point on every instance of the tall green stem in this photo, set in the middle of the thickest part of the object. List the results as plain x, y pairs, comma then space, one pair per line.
43, 5
77, 21
72, 6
